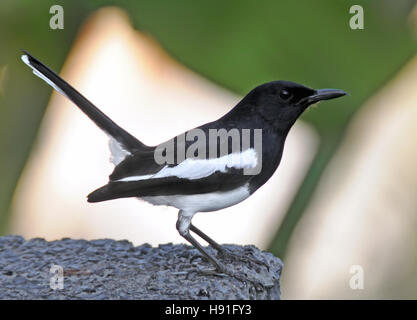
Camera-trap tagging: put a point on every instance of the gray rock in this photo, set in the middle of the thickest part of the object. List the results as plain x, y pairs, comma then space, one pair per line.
109, 269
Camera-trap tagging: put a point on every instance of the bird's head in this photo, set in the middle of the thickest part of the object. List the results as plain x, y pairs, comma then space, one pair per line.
282, 102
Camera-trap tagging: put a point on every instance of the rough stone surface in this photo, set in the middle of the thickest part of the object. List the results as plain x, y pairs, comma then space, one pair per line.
109, 269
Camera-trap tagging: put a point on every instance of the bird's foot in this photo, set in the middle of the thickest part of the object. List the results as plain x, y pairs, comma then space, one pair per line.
253, 262
221, 270
206, 272
259, 286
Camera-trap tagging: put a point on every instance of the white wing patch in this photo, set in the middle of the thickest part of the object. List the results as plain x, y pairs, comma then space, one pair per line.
199, 168
118, 154
36, 72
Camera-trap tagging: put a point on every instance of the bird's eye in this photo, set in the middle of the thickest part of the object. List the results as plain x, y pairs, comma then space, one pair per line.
285, 95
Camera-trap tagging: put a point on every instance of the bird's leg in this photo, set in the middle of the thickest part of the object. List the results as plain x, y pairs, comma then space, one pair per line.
224, 252
201, 234
183, 227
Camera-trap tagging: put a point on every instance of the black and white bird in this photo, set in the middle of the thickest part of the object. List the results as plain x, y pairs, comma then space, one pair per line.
193, 183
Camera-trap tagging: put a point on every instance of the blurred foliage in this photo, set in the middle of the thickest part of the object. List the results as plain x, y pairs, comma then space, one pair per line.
237, 44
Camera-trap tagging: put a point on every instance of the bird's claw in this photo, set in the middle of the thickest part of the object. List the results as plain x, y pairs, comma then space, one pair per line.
227, 254
259, 286
221, 271
206, 272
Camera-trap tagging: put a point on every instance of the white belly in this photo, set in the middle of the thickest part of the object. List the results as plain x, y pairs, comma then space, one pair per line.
202, 202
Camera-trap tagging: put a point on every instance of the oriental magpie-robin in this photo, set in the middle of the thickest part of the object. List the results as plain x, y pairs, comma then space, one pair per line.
202, 169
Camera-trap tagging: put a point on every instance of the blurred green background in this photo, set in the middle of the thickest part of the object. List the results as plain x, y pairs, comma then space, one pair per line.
236, 44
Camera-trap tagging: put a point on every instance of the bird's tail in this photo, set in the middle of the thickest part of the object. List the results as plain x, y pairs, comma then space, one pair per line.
125, 139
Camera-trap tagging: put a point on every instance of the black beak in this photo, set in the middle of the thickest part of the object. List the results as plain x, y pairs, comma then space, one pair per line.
323, 94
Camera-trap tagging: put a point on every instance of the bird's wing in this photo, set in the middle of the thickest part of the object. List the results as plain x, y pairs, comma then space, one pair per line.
143, 165
140, 177
172, 185
193, 159
122, 143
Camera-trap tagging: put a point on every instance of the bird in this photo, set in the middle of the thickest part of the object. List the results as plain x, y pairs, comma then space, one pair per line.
203, 169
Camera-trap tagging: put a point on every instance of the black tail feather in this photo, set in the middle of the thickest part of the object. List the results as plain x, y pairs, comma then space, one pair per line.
128, 141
